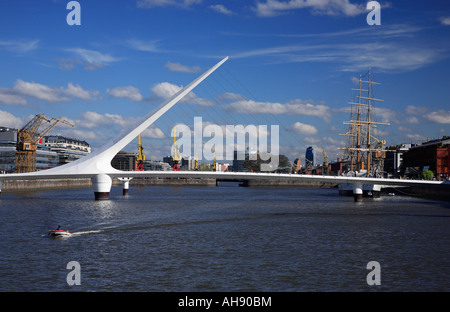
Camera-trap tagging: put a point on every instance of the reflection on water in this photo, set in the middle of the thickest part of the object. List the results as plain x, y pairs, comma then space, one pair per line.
223, 239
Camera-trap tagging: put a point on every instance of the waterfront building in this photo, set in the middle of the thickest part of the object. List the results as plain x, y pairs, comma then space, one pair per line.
221, 167
394, 158
169, 160
124, 161
188, 164
432, 155
45, 158
7, 159
310, 157
68, 149
8, 141
238, 161
154, 165
184, 164
339, 166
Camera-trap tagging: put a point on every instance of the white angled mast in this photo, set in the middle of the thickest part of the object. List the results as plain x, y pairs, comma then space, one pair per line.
100, 160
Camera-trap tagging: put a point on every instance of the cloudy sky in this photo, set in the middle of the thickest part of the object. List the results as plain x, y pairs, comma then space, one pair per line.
292, 63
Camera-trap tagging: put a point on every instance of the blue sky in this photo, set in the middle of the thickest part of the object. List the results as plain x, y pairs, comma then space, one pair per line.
292, 63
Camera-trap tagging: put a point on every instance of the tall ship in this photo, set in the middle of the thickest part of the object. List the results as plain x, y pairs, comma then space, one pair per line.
364, 152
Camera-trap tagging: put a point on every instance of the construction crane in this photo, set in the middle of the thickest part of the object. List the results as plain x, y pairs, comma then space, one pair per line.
214, 167
28, 137
139, 165
175, 158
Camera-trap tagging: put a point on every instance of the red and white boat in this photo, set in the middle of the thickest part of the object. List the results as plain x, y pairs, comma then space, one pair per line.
59, 233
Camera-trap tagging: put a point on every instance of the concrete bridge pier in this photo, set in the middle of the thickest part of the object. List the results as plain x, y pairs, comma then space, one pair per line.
102, 186
358, 192
126, 185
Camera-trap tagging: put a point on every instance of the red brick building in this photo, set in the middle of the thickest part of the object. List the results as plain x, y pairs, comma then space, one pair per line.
433, 155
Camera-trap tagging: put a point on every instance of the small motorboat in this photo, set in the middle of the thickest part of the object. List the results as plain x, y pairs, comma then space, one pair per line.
59, 233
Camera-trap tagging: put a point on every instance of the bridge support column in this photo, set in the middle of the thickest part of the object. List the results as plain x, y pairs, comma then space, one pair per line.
1, 183
102, 186
358, 192
126, 185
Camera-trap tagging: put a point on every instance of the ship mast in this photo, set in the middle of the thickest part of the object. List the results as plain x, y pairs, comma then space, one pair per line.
361, 129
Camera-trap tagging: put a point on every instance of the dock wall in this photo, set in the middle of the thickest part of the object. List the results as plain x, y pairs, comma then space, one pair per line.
45, 184
31, 185
275, 182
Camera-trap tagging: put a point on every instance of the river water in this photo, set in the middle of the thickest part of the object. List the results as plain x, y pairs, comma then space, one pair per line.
231, 238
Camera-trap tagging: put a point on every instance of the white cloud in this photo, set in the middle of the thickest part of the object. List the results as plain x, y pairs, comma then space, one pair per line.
381, 114
416, 137
78, 92
146, 46
93, 120
9, 120
221, 9
445, 20
39, 91
230, 96
416, 110
294, 107
90, 58
84, 135
166, 90
441, 116
8, 97
182, 68
389, 50
148, 4
301, 128
128, 92
327, 7
153, 132
20, 46
412, 120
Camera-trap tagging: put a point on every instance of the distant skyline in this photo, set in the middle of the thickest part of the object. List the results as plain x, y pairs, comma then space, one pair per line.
292, 63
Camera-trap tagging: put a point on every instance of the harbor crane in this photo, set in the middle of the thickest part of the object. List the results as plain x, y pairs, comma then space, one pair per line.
175, 158
139, 165
28, 137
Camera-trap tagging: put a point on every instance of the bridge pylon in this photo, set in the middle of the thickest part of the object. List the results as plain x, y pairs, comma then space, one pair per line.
102, 186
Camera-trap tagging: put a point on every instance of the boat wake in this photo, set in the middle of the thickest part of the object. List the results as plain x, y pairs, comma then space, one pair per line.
79, 233
87, 232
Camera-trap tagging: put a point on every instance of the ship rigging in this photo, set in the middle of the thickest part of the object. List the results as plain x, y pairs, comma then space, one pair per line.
364, 151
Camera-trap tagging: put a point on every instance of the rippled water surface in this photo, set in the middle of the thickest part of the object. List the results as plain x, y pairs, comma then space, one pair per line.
223, 239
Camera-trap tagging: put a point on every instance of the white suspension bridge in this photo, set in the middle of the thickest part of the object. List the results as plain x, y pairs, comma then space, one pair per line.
97, 165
